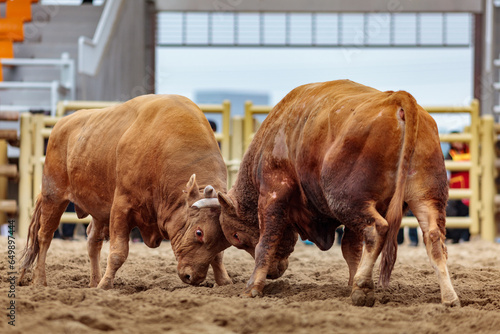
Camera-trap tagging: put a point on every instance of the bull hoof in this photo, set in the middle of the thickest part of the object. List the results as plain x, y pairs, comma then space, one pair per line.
363, 297
453, 303
39, 282
225, 282
105, 285
94, 281
256, 293
252, 293
22, 280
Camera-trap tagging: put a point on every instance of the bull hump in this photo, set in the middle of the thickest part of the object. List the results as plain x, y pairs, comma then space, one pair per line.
280, 149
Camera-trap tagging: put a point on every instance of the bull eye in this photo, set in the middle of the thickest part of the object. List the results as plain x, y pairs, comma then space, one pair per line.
199, 234
236, 237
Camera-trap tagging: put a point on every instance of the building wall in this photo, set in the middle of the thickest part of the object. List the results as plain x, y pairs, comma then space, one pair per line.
127, 67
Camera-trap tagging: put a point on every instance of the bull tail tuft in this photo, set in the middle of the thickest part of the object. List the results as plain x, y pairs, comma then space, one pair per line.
408, 114
30, 252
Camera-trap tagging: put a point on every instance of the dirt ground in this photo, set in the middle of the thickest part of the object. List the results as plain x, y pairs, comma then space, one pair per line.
311, 297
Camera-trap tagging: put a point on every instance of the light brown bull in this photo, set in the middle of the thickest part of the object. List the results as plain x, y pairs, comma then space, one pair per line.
127, 166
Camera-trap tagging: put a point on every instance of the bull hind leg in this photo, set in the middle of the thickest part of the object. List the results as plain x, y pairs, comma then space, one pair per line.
95, 238
118, 242
51, 212
432, 223
352, 248
374, 235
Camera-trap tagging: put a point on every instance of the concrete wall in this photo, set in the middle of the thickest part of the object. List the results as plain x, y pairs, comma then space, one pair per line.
489, 96
127, 68
496, 54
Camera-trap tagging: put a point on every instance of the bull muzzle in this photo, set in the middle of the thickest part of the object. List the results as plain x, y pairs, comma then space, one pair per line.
191, 276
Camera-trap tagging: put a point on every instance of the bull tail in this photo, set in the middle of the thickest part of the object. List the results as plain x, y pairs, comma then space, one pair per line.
408, 114
30, 252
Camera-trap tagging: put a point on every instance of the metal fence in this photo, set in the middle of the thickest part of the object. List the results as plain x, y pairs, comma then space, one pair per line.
322, 29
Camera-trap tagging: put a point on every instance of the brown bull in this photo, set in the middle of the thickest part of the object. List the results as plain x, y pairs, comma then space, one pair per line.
340, 153
128, 166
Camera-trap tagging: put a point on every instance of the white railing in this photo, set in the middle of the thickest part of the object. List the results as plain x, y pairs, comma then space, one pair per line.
64, 88
496, 85
90, 51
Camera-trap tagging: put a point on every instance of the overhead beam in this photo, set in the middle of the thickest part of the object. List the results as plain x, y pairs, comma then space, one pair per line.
337, 6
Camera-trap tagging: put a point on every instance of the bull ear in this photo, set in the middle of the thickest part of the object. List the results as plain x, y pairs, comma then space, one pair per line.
226, 202
192, 187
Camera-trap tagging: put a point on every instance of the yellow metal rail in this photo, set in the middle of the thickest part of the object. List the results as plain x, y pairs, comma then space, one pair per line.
250, 125
25, 174
7, 171
488, 174
222, 137
3, 183
64, 106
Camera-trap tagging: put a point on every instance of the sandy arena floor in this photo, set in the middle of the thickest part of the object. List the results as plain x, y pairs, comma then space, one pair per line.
311, 297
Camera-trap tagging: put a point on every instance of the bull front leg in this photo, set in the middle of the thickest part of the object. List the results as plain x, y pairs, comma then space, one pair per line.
220, 274
432, 223
272, 226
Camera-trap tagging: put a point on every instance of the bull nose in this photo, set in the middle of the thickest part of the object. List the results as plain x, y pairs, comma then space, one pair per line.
190, 278
185, 277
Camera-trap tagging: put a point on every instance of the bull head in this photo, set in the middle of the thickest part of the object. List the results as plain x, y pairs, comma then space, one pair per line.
236, 229
243, 232
202, 241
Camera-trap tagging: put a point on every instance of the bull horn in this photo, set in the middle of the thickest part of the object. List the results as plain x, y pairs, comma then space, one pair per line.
209, 192
206, 203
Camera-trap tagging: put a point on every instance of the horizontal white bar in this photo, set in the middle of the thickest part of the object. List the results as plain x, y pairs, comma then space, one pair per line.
35, 62
22, 108
25, 85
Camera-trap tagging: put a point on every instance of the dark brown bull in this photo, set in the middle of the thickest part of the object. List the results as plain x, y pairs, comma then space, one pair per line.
340, 153
128, 166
